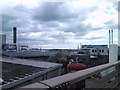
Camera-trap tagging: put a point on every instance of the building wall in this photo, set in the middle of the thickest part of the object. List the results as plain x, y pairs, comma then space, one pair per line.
84, 51
2, 40
96, 49
113, 53
99, 51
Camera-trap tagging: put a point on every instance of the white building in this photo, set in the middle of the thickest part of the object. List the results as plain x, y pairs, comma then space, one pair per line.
97, 49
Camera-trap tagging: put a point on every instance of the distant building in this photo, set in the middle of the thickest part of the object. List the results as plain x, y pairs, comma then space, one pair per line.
96, 49
94, 46
84, 51
2, 40
22, 47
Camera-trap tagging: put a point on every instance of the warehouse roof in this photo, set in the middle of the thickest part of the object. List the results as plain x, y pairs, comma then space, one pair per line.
41, 64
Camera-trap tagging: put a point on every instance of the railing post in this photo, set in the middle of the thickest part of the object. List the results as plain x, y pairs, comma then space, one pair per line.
80, 85
118, 73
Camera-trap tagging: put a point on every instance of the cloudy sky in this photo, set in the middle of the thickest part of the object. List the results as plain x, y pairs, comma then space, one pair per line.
60, 24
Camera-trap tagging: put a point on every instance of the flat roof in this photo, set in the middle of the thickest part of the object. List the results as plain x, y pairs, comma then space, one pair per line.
41, 64
13, 67
95, 46
10, 70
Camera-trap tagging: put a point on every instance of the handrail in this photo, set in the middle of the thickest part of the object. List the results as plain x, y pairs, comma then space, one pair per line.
76, 76
80, 75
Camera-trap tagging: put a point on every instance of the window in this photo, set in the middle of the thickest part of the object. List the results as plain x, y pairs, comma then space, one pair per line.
92, 50
95, 50
99, 50
102, 50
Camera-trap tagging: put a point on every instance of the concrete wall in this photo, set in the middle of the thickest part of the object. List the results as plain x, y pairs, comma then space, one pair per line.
113, 53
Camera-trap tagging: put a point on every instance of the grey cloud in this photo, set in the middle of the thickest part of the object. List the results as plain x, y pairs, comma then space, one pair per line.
6, 22
16, 16
13, 17
93, 38
83, 13
34, 41
47, 18
117, 6
111, 25
21, 8
51, 24
78, 28
60, 37
52, 12
45, 38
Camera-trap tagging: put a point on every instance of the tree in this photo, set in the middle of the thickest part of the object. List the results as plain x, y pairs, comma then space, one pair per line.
59, 57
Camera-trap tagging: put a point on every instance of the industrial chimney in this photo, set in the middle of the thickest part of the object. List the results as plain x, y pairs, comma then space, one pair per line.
110, 36
14, 35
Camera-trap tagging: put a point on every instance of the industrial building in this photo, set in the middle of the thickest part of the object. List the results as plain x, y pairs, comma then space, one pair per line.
96, 49
23, 51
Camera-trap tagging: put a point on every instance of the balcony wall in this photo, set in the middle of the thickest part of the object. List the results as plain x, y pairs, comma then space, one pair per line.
88, 78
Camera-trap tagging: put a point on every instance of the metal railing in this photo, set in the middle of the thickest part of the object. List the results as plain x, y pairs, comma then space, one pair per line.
44, 74
103, 76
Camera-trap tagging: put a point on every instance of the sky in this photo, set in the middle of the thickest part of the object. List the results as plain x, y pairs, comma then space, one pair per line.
59, 24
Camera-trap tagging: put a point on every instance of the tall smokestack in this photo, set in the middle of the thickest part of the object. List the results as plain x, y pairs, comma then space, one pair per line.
109, 38
112, 35
14, 35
